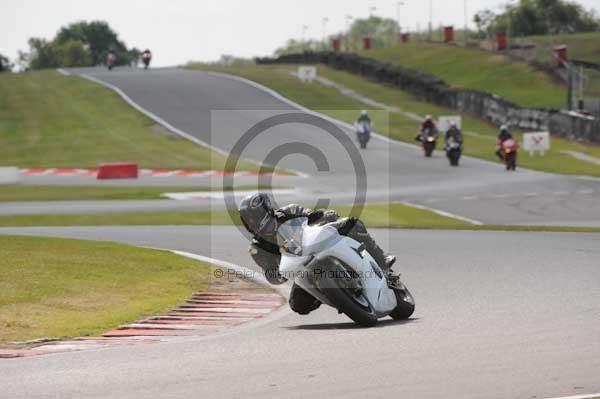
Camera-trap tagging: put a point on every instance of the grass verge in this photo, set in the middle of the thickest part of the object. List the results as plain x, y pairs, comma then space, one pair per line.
50, 120
480, 138
19, 192
393, 215
51, 287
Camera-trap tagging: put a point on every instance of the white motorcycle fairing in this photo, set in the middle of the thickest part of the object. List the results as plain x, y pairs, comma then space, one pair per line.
322, 242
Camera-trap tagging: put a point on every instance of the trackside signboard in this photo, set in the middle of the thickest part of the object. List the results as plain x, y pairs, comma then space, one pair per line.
307, 73
536, 142
444, 122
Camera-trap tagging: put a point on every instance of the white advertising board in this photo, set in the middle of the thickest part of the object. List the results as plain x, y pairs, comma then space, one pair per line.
444, 122
536, 141
307, 73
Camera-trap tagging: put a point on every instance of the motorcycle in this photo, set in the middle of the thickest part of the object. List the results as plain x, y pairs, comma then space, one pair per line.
339, 272
363, 133
110, 61
428, 140
146, 58
509, 153
453, 150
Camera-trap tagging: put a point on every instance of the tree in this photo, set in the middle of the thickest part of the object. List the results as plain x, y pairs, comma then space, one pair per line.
77, 45
99, 38
541, 17
484, 20
74, 53
43, 54
5, 64
382, 31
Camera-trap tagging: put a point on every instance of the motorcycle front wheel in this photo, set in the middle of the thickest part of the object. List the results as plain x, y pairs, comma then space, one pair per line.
337, 283
406, 304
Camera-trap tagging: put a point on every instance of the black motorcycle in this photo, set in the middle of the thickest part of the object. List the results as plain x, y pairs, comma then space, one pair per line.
363, 133
453, 150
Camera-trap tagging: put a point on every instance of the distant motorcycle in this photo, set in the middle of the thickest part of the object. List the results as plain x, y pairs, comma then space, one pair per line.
453, 151
111, 60
146, 58
509, 153
339, 272
428, 138
363, 133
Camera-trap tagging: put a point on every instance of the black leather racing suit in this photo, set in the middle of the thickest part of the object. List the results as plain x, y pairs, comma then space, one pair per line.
265, 251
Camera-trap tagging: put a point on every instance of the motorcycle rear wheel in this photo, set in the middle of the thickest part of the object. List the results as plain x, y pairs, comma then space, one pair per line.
338, 291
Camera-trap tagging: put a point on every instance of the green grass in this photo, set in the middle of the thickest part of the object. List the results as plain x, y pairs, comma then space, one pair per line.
20, 192
394, 215
397, 126
580, 46
54, 288
478, 69
50, 120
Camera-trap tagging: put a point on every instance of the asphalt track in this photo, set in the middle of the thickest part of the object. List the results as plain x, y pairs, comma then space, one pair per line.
499, 315
218, 110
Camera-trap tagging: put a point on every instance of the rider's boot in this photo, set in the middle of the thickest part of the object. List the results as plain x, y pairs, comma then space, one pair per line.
359, 233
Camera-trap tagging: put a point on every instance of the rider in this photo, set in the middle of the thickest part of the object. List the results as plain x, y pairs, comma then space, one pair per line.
364, 117
454, 132
261, 220
427, 123
111, 58
502, 137
146, 55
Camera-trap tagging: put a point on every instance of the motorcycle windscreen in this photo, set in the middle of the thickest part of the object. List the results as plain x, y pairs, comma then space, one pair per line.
289, 235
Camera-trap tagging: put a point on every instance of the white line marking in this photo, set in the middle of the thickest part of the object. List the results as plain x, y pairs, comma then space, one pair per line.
170, 127
63, 72
441, 213
245, 272
470, 197
589, 396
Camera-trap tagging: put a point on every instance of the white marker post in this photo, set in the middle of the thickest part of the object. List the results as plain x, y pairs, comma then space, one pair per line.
537, 141
307, 73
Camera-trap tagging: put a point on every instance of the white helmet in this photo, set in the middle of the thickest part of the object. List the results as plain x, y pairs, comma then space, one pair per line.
428, 117
503, 127
363, 112
452, 123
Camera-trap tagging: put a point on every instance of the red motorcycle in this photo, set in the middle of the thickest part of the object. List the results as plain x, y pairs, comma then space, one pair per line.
509, 153
428, 138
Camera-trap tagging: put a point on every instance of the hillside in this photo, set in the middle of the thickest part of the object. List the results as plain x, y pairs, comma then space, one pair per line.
582, 46
50, 120
478, 69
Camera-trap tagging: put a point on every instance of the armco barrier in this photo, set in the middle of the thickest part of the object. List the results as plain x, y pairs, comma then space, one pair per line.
494, 109
118, 171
